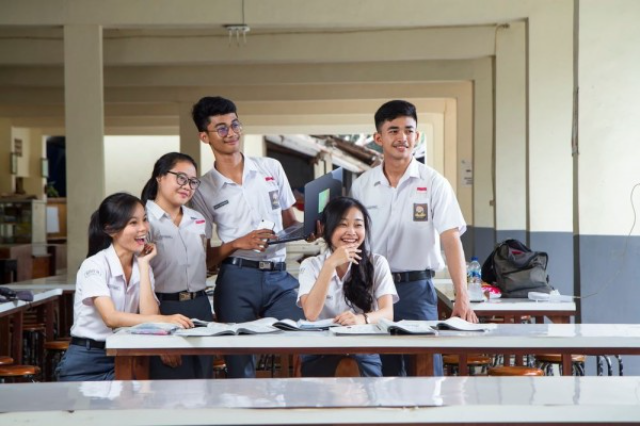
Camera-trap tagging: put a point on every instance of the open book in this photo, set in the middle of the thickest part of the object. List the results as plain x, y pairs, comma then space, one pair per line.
304, 325
205, 328
385, 326
151, 328
263, 325
458, 324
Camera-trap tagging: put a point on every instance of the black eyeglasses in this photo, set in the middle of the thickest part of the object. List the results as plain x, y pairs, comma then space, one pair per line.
183, 179
223, 129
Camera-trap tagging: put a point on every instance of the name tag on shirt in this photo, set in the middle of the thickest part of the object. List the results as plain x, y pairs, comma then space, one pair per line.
221, 204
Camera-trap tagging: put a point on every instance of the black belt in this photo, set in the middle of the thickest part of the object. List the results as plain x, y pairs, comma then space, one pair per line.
181, 296
256, 264
403, 277
87, 343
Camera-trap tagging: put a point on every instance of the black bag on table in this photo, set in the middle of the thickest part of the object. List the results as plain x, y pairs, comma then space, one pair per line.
516, 269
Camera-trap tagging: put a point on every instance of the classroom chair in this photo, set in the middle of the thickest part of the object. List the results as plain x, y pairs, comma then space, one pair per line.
547, 361
477, 364
514, 371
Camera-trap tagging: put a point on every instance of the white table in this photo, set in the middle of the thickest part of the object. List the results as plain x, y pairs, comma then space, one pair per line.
509, 308
396, 400
519, 339
11, 321
62, 282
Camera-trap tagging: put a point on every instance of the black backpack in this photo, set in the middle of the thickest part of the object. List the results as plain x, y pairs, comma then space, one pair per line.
516, 269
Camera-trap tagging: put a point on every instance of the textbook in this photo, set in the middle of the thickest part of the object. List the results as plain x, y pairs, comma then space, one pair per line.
385, 326
304, 325
263, 325
205, 328
151, 328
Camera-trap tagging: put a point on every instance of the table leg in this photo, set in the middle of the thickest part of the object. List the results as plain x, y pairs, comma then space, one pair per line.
463, 368
5, 341
567, 366
49, 321
141, 367
124, 367
422, 365
16, 337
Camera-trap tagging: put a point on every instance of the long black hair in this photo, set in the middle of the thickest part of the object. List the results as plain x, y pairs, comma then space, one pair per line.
161, 168
112, 216
358, 288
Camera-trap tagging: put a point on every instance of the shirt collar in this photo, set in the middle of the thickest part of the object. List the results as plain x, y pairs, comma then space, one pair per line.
114, 262
155, 209
249, 168
411, 172
116, 267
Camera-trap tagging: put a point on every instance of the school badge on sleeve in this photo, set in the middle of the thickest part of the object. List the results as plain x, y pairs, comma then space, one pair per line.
420, 212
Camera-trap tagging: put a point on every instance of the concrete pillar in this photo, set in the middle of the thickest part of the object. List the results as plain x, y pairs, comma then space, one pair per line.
450, 142
482, 157
190, 144
550, 167
84, 123
34, 184
7, 180
511, 133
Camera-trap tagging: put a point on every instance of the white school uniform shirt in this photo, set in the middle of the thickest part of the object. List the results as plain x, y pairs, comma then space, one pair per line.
238, 209
407, 221
335, 302
102, 275
180, 264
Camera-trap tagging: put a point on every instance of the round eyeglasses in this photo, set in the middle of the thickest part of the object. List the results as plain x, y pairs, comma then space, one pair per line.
223, 130
183, 179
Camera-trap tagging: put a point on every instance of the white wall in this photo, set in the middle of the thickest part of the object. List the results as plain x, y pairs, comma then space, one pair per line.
609, 122
129, 160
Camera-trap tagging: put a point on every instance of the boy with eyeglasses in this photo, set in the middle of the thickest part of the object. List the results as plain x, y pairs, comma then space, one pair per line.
237, 194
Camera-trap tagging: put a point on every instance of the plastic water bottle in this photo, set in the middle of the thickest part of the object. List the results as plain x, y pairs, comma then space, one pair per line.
474, 283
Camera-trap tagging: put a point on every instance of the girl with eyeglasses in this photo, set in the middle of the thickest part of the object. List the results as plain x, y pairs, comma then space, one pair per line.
114, 288
180, 266
347, 283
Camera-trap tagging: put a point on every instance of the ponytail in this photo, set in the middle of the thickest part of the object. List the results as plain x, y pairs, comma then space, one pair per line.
149, 191
98, 239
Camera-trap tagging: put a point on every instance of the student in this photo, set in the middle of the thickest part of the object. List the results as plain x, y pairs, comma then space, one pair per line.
180, 267
114, 288
347, 283
237, 194
413, 210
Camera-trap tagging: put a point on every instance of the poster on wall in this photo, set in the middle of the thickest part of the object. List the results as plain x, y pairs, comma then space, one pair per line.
17, 147
466, 172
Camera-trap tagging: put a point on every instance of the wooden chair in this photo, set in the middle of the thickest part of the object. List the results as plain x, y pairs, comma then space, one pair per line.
476, 362
547, 361
515, 371
54, 352
18, 373
347, 367
219, 368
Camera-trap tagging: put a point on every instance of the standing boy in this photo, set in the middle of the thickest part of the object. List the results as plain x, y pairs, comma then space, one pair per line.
413, 210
